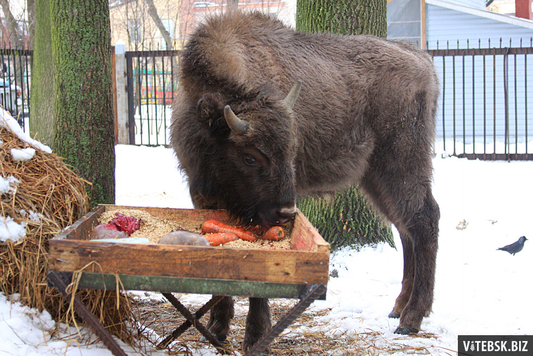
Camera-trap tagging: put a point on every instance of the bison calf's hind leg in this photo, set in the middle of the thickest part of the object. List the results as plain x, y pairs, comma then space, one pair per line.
423, 231
408, 276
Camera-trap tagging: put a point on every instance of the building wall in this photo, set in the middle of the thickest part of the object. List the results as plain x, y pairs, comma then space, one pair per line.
477, 4
457, 29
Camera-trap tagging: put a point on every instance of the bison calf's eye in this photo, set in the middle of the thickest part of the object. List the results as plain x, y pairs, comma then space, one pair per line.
249, 160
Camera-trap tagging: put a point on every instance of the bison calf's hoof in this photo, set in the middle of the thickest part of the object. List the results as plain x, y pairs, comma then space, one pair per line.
405, 330
394, 315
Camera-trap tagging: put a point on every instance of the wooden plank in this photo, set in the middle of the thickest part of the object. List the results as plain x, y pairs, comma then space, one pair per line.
276, 266
82, 228
191, 285
189, 269
305, 236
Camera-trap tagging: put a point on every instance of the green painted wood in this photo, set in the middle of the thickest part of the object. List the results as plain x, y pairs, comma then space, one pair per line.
90, 280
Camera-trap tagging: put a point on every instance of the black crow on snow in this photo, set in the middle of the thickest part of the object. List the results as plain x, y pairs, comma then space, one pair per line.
515, 247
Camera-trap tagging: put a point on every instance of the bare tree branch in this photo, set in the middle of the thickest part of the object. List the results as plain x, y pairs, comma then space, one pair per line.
152, 11
233, 5
31, 21
11, 24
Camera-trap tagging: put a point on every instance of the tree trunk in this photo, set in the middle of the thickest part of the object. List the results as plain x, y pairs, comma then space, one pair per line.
345, 219
83, 104
344, 17
42, 82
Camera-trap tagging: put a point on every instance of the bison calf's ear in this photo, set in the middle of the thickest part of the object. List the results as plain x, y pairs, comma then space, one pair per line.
209, 108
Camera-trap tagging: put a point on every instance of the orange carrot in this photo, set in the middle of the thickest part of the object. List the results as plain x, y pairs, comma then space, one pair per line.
258, 229
220, 238
212, 226
275, 233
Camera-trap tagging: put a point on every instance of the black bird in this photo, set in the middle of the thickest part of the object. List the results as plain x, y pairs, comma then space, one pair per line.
515, 247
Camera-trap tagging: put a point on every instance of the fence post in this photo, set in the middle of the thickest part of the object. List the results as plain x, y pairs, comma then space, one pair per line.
122, 94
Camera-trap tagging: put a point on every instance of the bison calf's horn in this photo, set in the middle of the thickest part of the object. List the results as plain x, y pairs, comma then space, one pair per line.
291, 98
238, 126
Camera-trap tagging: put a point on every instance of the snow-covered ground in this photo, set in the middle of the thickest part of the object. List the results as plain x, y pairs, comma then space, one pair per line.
479, 290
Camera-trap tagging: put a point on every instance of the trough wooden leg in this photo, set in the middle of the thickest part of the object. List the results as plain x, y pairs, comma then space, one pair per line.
194, 322
314, 292
58, 283
187, 324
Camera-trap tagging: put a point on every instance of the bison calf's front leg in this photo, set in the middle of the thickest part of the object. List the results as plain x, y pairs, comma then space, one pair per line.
220, 318
258, 322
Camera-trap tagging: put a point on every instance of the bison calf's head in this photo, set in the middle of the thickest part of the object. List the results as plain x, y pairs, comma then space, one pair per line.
238, 152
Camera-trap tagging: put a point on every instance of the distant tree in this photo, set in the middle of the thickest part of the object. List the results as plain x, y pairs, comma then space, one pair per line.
31, 22
233, 5
42, 83
16, 38
83, 98
152, 11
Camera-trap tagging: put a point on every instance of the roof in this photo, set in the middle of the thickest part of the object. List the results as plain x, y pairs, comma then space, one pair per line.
512, 20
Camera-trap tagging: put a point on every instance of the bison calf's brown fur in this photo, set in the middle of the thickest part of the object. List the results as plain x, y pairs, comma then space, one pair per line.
365, 114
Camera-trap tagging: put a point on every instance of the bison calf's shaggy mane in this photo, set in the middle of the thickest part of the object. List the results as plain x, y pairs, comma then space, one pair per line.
361, 110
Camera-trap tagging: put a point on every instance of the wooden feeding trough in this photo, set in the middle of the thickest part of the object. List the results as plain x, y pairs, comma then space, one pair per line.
301, 272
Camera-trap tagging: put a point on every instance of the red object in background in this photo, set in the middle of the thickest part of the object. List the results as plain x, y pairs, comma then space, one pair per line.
523, 9
128, 224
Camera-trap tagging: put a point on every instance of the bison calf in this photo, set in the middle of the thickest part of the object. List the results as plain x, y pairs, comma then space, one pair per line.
361, 110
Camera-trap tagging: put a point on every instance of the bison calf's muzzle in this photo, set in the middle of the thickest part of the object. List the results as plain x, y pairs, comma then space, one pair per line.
286, 214
277, 215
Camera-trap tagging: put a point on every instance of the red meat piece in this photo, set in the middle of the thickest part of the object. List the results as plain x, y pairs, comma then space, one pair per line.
128, 224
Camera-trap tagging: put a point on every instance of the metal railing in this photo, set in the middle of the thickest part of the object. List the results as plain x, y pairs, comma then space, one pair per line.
15, 76
484, 111
151, 87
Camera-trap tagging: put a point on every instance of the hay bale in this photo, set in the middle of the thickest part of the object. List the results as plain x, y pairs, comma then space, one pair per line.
46, 196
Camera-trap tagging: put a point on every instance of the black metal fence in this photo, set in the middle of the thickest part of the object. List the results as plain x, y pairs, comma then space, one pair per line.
151, 87
484, 111
15, 79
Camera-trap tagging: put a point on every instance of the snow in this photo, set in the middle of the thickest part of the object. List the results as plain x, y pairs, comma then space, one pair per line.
7, 121
22, 155
10, 229
8, 184
479, 290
